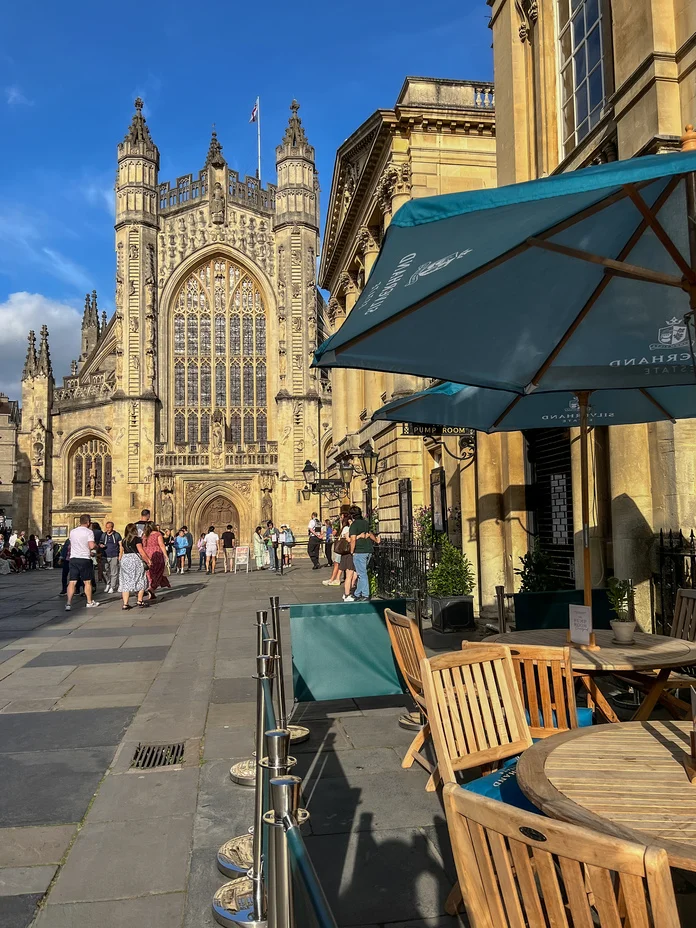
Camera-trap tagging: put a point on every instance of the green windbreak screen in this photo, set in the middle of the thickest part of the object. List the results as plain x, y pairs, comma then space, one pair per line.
342, 651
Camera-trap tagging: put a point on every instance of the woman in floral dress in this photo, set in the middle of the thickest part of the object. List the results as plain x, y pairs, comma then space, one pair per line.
154, 546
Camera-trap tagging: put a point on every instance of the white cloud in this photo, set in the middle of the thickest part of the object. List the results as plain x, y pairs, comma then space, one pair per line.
22, 244
99, 193
15, 97
24, 311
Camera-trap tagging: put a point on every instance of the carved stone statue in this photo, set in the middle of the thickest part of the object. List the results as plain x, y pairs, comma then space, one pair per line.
217, 204
267, 506
150, 368
166, 512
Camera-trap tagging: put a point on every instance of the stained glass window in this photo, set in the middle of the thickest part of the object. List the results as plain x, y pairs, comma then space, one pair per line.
219, 343
179, 384
220, 392
91, 469
219, 335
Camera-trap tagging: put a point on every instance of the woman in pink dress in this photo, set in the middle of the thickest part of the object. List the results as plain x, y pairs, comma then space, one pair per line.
153, 543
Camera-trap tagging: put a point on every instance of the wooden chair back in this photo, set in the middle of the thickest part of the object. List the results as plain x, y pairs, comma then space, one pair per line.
474, 708
545, 681
684, 622
407, 645
518, 869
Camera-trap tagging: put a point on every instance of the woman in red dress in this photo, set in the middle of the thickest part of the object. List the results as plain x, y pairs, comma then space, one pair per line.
153, 543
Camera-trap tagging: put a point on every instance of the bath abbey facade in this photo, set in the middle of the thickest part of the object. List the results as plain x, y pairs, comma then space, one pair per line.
196, 399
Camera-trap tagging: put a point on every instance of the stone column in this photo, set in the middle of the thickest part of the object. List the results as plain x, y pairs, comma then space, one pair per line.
597, 449
632, 512
374, 381
491, 542
353, 379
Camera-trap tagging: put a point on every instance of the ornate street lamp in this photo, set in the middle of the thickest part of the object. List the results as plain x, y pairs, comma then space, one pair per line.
345, 470
370, 459
309, 472
306, 493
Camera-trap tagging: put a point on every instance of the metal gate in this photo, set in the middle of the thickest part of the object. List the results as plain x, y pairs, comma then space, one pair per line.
550, 499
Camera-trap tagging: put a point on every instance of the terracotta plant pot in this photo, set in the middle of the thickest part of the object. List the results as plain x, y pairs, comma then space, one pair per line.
623, 631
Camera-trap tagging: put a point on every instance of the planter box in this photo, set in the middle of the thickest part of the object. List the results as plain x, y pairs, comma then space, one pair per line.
550, 610
452, 613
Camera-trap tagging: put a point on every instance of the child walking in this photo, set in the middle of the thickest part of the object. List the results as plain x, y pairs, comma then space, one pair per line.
181, 543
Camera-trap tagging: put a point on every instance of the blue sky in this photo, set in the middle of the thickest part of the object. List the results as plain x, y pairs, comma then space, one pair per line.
69, 74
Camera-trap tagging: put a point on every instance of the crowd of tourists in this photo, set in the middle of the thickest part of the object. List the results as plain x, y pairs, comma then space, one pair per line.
20, 552
348, 547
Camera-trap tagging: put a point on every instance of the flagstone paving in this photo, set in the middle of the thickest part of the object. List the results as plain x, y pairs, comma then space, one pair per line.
86, 841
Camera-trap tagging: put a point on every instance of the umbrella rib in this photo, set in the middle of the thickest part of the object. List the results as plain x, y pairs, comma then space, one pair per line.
652, 220
604, 282
665, 413
508, 409
494, 262
620, 268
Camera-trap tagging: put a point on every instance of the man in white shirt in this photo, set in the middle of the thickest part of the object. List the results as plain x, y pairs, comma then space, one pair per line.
314, 541
212, 540
81, 546
13, 539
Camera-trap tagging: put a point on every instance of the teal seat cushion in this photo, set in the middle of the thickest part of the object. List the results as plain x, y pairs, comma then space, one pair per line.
502, 785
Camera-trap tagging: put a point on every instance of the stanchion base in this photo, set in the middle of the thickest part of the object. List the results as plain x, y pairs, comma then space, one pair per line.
233, 904
244, 772
411, 721
236, 855
298, 734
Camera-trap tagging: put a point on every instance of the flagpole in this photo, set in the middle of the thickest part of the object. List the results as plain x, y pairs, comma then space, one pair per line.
258, 137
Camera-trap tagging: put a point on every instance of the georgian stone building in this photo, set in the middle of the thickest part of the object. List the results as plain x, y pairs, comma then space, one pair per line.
577, 84
440, 137
196, 398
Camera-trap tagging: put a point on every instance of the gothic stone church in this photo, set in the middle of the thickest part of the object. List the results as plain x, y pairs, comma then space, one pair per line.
196, 399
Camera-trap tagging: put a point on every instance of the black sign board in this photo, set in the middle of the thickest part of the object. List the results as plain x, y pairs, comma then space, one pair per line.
433, 431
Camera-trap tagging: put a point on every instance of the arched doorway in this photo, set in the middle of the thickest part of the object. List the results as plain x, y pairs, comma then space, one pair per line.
219, 512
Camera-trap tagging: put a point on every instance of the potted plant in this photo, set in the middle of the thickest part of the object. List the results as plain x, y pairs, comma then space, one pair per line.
620, 595
450, 584
542, 602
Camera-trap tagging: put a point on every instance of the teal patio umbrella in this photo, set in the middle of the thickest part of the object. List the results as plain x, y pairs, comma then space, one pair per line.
571, 284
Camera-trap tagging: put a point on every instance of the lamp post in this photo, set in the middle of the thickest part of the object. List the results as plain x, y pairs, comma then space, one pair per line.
368, 470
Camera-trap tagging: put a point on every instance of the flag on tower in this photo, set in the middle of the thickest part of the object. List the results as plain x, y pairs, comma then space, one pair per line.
255, 111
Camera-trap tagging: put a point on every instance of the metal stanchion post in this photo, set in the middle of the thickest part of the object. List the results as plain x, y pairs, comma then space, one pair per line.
243, 773
285, 798
243, 901
413, 721
298, 733
500, 599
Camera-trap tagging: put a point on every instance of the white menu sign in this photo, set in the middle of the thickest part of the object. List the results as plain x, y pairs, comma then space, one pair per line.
580, 624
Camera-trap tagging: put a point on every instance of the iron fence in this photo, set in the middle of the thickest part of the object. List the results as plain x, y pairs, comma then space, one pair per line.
677, 569
401, 566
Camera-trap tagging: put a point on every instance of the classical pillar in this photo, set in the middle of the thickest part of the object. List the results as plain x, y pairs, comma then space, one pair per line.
353, 391
596, 449
491, 542
632, 512
374, 381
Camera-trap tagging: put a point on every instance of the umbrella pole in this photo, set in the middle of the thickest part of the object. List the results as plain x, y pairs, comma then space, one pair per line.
583, 397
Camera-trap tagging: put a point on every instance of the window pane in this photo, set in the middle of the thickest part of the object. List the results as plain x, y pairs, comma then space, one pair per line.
579, 65
205, 428
248, 385
205, 385
192, 333
79, 476
261, 429
261, 384
205, 335
563, 13
583, 129
591, 13
566, 46
247, 335
192, 429
594, 48
261, 335
220, 391
107, 475
578, 27
581, 105
98, 476
219, 335
567, 86
179, 425
179, 346
192, 384
594, 117
248, 428
235, 429
234, 336
235, 385
569, 122
596, 90
179, 385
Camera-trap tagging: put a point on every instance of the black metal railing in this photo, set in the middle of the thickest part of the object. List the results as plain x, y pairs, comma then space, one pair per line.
676, 570
401, 565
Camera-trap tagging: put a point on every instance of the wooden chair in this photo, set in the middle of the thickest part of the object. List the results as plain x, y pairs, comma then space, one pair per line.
474, 708
409, 652
547, 687
517, 869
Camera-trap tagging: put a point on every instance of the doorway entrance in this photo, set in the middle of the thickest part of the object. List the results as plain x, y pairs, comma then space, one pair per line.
219, 512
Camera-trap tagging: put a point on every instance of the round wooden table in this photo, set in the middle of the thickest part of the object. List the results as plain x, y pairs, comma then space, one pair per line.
649, 652
625, 780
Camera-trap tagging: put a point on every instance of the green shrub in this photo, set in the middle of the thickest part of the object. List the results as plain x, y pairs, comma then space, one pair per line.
453, 575
535, 573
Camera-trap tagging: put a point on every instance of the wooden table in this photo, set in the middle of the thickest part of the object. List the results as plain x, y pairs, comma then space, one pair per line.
625, 780
649, 652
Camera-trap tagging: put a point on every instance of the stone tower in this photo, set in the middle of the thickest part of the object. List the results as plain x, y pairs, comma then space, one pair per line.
297, 239
33, 482
90, 326
136, 316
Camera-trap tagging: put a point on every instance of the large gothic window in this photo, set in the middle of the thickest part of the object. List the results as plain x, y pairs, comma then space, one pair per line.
219, 339
90, 469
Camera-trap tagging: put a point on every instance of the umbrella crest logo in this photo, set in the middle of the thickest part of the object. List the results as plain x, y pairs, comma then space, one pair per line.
431, 266
672, 335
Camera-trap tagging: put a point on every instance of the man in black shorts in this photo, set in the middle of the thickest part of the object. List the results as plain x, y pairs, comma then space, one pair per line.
82, 544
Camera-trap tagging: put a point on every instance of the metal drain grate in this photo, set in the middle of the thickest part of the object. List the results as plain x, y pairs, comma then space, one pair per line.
149, 756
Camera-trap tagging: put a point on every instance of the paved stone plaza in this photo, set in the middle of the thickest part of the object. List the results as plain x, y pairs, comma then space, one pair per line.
86, 841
